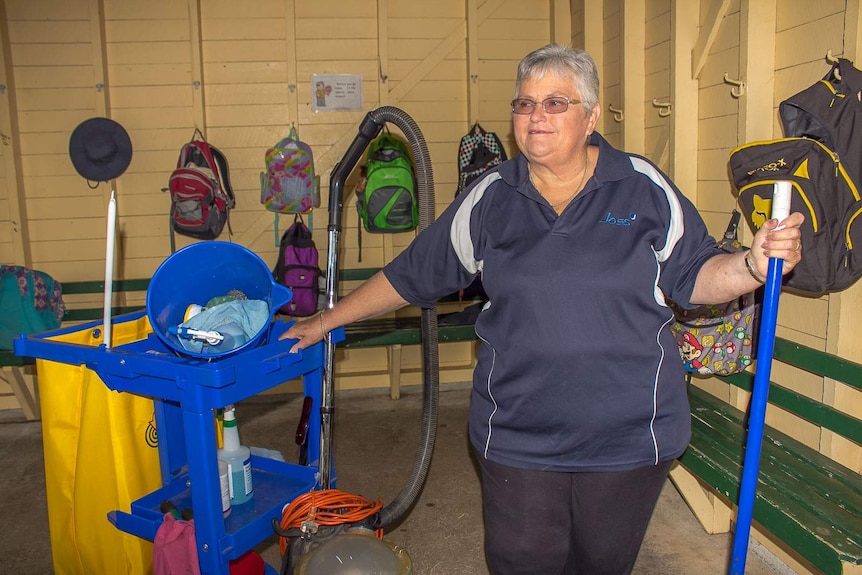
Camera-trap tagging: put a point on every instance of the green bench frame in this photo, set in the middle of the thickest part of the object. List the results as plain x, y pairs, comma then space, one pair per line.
808, 502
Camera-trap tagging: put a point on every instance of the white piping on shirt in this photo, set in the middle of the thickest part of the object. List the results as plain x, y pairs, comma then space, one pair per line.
677, 224
491, 395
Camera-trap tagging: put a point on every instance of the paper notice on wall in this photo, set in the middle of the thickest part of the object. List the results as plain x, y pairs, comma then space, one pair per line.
336, 93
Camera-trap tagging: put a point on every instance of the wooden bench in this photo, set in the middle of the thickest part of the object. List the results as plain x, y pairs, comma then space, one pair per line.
393, 333
19, 375
810, 504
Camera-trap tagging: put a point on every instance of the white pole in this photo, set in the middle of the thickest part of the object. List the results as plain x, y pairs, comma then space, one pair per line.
109, 267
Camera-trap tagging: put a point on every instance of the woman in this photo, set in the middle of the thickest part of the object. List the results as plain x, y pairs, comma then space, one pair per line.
579, 403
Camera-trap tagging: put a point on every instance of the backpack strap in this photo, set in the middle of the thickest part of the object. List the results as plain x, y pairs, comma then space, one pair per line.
220, 162
848, 75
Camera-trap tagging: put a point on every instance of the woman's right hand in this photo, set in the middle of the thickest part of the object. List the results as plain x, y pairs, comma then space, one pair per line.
308, 332
373, 297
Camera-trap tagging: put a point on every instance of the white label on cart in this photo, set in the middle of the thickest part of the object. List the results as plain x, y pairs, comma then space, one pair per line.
224, 484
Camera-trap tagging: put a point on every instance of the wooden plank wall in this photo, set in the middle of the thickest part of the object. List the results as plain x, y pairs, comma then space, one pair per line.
240, 71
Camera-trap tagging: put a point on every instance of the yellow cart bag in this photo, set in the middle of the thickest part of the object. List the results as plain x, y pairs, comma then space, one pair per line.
101, 453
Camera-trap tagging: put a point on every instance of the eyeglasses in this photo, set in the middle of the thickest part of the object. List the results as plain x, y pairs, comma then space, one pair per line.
555, 105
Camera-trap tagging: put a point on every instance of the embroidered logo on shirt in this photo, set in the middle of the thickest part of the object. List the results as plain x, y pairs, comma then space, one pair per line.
610, 219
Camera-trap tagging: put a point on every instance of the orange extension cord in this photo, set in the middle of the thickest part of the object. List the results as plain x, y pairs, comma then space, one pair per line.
327, 507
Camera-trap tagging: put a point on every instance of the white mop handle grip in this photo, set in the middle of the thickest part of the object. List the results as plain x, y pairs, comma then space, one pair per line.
781, 199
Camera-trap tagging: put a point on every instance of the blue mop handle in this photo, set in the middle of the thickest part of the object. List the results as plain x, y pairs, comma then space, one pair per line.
760, 392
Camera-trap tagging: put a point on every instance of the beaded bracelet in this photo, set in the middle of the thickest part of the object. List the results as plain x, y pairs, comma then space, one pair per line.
751, 270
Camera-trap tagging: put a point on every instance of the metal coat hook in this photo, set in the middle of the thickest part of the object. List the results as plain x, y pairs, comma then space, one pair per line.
664, 107
738, 86
833, 61
618, 113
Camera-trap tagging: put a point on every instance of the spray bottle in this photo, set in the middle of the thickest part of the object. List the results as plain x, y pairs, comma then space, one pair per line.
238, 458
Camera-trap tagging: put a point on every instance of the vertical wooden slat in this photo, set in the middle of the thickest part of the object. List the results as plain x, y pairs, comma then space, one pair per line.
561, 22
684, 125
383, 51
633, 80
101, 98
594, 40
101, 103
757, 69
9, 138
290, 57
853, 31
472, 16
195, 46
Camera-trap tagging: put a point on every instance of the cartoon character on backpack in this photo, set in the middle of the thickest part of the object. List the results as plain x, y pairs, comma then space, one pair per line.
690, 350
289, 185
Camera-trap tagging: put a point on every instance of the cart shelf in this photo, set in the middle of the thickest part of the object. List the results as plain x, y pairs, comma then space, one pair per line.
185, 393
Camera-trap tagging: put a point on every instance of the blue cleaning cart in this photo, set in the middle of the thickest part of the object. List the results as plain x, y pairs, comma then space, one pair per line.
185, 392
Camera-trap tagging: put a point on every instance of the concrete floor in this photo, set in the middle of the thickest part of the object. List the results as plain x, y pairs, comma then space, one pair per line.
375, 443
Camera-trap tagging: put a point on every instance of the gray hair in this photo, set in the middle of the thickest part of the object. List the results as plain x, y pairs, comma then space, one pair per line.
566, 62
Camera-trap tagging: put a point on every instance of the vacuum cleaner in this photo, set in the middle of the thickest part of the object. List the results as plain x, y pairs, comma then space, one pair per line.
340, 539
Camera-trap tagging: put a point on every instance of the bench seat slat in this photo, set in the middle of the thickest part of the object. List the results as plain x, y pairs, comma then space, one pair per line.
805, 407
400, 331
825, 364
795, 500
821, 415
777, 511
836, 484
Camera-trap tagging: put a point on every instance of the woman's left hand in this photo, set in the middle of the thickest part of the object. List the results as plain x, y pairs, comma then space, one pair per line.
772, 241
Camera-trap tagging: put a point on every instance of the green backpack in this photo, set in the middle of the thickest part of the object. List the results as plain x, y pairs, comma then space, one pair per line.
387, 203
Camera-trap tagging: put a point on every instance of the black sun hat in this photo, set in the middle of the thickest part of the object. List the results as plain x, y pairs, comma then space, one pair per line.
100, 149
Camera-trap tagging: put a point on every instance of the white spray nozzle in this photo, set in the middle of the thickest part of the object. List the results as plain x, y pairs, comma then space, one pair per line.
211, 337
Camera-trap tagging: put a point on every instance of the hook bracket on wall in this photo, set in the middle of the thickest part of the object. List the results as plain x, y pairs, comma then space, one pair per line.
664, 108
617, 112
833, 60
738, 88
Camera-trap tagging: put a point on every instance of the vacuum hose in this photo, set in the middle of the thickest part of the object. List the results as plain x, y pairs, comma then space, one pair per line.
369, 128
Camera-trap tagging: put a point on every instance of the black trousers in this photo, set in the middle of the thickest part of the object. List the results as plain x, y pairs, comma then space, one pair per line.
553, 523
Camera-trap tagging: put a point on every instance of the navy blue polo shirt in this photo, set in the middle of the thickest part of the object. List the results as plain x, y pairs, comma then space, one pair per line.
577, 369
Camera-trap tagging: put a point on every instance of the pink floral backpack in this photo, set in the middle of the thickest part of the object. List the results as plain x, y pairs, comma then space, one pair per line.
289, 185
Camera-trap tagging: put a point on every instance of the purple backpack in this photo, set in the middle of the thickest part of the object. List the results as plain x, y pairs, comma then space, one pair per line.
298, 269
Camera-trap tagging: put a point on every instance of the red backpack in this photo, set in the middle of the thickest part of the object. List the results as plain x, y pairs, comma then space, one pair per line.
201, 194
